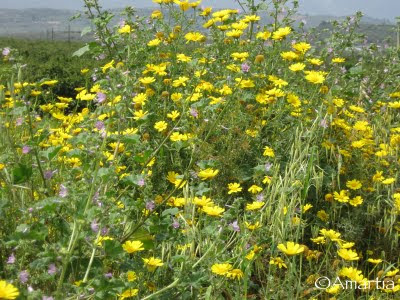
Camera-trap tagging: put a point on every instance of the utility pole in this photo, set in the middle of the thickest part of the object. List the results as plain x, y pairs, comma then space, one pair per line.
398, 33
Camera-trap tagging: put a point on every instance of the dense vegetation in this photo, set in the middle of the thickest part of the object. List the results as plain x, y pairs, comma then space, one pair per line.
51, 59
243, 161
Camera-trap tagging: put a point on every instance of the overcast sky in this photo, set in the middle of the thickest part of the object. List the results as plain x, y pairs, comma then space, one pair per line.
386, 9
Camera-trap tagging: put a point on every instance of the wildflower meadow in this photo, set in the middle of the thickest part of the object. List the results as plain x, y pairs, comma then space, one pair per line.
210, 155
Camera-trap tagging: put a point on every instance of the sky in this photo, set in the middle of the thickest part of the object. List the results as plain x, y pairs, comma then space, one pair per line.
383, 9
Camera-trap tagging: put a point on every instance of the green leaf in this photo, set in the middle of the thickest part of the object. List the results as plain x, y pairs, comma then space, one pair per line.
81, 51
112, 248
86, 30
21, 174
208, 293
170, 211
51, 152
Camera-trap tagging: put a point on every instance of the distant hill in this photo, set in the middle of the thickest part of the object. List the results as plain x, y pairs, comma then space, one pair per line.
55, 24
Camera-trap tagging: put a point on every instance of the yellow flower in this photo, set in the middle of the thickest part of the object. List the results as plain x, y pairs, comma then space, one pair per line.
264, 35
2, 166
318, 240
344, 244
354, 184
281, 33
315, 77
378, 176
107, 66
156, 14
254, 189
289, 55
154, 43
125, 29
356, 201
291, 248
7, 290
184, 5
234, 188
268, 152
128, 294
49, 82
241, 56
181, 81
302, 47
194, 37
322, 215
388, 181
331, 234
342, 196
213, 211
392, 273
348, 254
133, 246
254, 226
131, 276
278, 261
307, 207
352, 273
221, 269
152, 263
315, 61
338, 60
203, 201
173, 115
235, 274
139, 114
160, 126
208, 173
297, 67
255, 205
374, 261
333, 289
147, 80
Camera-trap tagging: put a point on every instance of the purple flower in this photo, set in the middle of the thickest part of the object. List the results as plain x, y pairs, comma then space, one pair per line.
104, 230
235, 226
108, 275
121, 23
11, 259
268, 167
49, 174
26, 149
52, 269
150, 205
6, 51
176, 224
324, 123
245, 68
101, 97
19, 121
63, 191
140, 182
194, 112
94, 226
23, 276
260, 197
